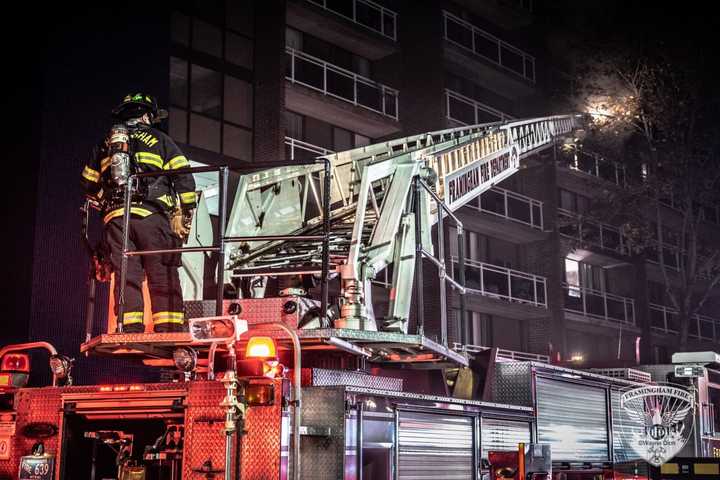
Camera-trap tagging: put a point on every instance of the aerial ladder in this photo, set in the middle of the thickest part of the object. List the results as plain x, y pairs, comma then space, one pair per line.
375, 218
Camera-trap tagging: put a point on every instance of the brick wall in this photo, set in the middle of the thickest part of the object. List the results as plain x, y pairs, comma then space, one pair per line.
269, 68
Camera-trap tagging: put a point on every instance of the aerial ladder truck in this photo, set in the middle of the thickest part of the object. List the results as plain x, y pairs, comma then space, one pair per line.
304, 378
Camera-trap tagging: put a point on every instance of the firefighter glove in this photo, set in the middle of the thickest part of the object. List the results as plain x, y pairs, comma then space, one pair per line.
180, 222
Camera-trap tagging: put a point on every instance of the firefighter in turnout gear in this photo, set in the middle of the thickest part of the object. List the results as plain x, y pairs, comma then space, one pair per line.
161, 210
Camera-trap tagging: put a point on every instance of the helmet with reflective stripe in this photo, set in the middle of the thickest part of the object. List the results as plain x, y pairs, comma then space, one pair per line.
136, 105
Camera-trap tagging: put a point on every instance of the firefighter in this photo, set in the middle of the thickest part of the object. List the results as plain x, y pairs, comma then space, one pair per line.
161, 211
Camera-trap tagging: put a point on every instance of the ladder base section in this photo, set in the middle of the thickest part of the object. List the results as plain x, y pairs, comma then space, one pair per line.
414, 351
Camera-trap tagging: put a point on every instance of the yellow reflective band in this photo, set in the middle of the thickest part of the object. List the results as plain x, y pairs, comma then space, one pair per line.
188, 197
169, 314
132, 317
141, 212
177, 162
168, 317
167, 200
149, 158
90, 174
104, 164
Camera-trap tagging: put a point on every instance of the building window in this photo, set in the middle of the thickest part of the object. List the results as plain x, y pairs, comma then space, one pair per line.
572, 201
206, 38
211, 93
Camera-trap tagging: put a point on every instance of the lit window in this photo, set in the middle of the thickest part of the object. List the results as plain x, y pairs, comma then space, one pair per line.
572, 277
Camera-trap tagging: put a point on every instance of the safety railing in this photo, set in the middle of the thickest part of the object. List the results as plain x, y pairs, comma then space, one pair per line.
299, 150
503, 354
222, 241
364, 12
469, 37
510, 205
597, 166
665, 319
590, 232
340, 83
466, 111
597, 304
504, 283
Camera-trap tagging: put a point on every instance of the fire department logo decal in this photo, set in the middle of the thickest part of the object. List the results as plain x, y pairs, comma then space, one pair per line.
656, 421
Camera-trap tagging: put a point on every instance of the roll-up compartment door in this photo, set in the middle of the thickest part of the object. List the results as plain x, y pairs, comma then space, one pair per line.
503, 435
435, 446
572, 418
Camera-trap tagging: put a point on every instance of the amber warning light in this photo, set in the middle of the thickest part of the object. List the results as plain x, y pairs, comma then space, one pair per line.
260, 347
121, 388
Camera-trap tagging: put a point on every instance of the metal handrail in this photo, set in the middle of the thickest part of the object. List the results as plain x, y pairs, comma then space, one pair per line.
620, 248
537, 280
294, 143
500, 44
620, 173
354, 18
508, 194
384, 91
476, 105
667, 311
502, 353
628, 304
222, 240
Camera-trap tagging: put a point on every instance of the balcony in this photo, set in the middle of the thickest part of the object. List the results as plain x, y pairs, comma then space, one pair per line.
665, 320
503, 283
594, 234
365, 13
340, 96
299, 150
480, 43
596, 166
512, 206
592, 304
462, 110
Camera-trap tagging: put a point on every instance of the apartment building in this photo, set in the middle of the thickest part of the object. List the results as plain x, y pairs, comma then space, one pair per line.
308, 77
276, 81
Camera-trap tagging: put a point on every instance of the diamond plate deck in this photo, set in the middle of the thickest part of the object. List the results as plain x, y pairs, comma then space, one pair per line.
380, 347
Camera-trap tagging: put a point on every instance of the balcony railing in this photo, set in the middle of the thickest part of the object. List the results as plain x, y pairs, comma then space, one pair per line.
339, 83
503, 354
466, 111
589, 232
598, 304
363, 12
299, 150
665, 319
504, 283
597, 166
510, 205
469, 37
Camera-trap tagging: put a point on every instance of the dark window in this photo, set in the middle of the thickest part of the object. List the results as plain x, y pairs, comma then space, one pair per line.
178, 82
206, 91
239, 50
318, 132
238, 101
207, 38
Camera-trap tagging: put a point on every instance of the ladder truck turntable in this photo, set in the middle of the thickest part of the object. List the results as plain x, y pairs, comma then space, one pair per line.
276, 384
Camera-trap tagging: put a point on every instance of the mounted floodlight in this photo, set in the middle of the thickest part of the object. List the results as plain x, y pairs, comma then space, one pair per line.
260, 347
61, 365
185, 359
217, 329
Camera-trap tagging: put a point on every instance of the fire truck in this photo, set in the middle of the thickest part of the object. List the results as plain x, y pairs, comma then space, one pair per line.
302, 366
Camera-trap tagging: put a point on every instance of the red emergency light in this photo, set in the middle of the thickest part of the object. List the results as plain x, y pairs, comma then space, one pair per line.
15, 362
